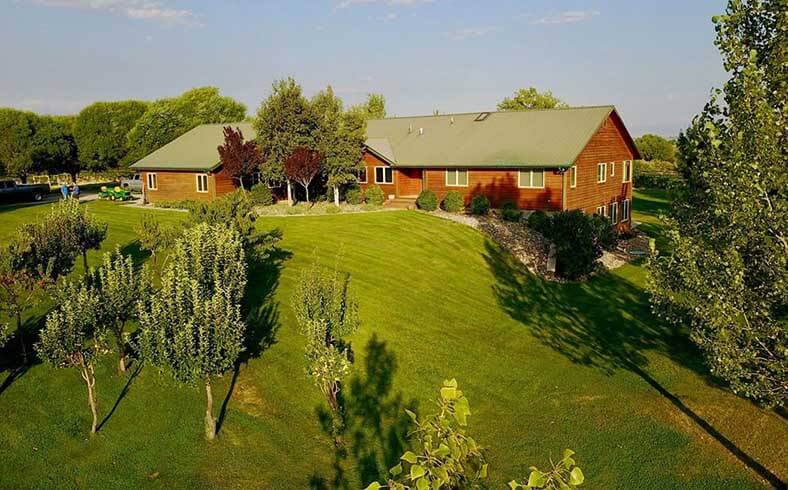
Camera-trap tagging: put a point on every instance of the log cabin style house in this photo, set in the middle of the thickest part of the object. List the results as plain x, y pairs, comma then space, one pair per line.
551, 160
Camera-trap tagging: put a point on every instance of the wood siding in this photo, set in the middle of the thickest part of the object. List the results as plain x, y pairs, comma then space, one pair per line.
180, 186
408, 182
370, 162
608, 145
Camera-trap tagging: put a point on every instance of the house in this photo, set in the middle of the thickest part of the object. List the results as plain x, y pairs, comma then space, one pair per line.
551, 160
189, 166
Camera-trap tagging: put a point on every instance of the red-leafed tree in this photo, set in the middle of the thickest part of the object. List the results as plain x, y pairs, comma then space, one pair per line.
240, 159
302, 165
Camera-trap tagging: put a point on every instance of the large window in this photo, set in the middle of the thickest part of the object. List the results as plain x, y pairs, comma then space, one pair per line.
625, 204
601, 172
456, 178
202, 183
362, 175
152, 183
530, 179
614, 212
626, 173
384, 175
573, 177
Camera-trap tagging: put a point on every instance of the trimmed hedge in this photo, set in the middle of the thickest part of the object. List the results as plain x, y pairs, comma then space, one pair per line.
480, 205
375, 195
453, 202
261, 195
427, 200
655, 180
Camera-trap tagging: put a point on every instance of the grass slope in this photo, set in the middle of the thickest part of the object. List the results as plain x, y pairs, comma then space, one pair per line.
545, 366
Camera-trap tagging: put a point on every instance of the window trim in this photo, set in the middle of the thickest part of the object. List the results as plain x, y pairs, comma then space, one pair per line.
603, 174
573, 176
613, 212
612, 169
366, 177
197, 181
155, 180
531, 179
626, 174
456, 172
626, 205
384, 167
602, 208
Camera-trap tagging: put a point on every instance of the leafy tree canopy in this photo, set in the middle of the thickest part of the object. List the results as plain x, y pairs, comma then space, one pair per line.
100, 132
373, 108
530, 98
654, 147
16, 142
727, 278
240, 158
166, 119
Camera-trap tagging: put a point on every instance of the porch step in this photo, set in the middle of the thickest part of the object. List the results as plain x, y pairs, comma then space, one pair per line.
401, 203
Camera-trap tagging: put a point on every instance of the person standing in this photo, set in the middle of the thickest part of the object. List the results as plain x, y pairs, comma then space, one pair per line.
75, 191
64, 190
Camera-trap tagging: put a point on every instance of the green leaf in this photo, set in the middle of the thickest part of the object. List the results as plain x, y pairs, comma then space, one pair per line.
483, 471
442, 451
451, 383
576, 477
568, 453
396, 470
536, 479
514, 485
461, 411
448, 393
373, 486
416, 472
410, 457
410, 414
422, 484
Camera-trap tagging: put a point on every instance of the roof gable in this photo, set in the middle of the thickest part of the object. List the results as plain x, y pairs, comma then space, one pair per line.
537, 138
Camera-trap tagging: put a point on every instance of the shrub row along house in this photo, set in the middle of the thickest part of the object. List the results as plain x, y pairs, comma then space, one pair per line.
551, 160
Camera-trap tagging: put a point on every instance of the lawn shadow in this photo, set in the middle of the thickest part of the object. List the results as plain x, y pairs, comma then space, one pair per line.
12, 356
375, 425
606, 324
138, 255
260, 310
123, 393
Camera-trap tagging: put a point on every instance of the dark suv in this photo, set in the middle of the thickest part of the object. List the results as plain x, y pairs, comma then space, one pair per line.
10, 191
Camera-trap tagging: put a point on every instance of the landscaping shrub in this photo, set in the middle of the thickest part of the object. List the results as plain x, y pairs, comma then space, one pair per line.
480, 205
375, 195
509, 211
354, 195
453, 202
655, 180
187, 204
427, 200
579, 240
540, 221
261, 195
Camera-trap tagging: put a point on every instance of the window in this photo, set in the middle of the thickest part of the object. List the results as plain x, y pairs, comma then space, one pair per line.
202, 183
384, 175
626, 173
152, 183
614, 212
625, 210
362, 175
601, 210
601, 173
530, 179
612, 169
573, 177
456, 178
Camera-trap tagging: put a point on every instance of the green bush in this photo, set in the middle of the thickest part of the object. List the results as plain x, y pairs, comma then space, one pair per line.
187, 204
480, 205
509, 211
354, 195
540, 221
649, 180
375, 195
427, 200
261, 195
453, 202
579, 240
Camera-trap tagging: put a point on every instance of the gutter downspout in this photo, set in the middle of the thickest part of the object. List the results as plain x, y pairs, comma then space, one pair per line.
563, 189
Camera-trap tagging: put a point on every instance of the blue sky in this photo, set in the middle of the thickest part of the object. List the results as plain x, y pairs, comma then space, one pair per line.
655, 60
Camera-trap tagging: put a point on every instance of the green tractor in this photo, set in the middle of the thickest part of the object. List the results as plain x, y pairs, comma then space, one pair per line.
115, 194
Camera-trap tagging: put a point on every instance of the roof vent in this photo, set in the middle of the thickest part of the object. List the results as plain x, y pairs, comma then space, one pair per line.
482, 116
421, 131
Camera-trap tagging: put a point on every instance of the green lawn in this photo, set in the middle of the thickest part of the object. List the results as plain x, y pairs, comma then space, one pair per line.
545, 366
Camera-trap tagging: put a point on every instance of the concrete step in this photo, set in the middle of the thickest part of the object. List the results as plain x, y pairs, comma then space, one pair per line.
401, 203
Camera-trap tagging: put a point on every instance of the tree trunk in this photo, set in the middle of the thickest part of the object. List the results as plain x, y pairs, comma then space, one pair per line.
21, 334
121, 347
306, 189
289, 193
85, 263
336, 195
90, 381
210, 422
241, 181
333, 404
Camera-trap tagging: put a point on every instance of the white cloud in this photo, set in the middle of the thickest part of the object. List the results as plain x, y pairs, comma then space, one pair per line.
567, 17
350, 3
146, 10
470, 32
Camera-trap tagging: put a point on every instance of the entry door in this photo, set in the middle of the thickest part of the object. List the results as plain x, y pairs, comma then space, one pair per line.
409, 182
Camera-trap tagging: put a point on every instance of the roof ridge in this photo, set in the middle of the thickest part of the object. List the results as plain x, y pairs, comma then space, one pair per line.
602, 106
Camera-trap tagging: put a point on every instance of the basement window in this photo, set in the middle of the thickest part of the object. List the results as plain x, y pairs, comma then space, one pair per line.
384, 175
456, 178
601, 211
625, 204
202, 183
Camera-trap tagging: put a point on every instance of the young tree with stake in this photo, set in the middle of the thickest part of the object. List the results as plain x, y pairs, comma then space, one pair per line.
70, 340
240, 158
154, 237
302, 166
192, 327
327, 312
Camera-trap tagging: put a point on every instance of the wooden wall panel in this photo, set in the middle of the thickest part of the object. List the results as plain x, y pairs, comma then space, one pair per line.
371, 161
179, 186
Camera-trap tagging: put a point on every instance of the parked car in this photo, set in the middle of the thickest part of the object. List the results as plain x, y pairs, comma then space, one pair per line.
133, 184
10, 191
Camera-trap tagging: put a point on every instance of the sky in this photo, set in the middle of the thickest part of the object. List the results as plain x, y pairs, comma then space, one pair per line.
654, 60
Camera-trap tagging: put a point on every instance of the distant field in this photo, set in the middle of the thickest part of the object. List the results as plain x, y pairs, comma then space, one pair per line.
545, 366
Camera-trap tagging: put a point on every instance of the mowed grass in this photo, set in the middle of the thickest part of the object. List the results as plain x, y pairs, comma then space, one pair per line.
546, 366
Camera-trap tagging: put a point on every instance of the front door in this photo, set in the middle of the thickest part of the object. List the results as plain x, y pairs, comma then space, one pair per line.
409, 182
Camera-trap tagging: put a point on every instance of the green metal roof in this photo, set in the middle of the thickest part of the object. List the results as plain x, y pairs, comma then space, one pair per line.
194, 151
535, 138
